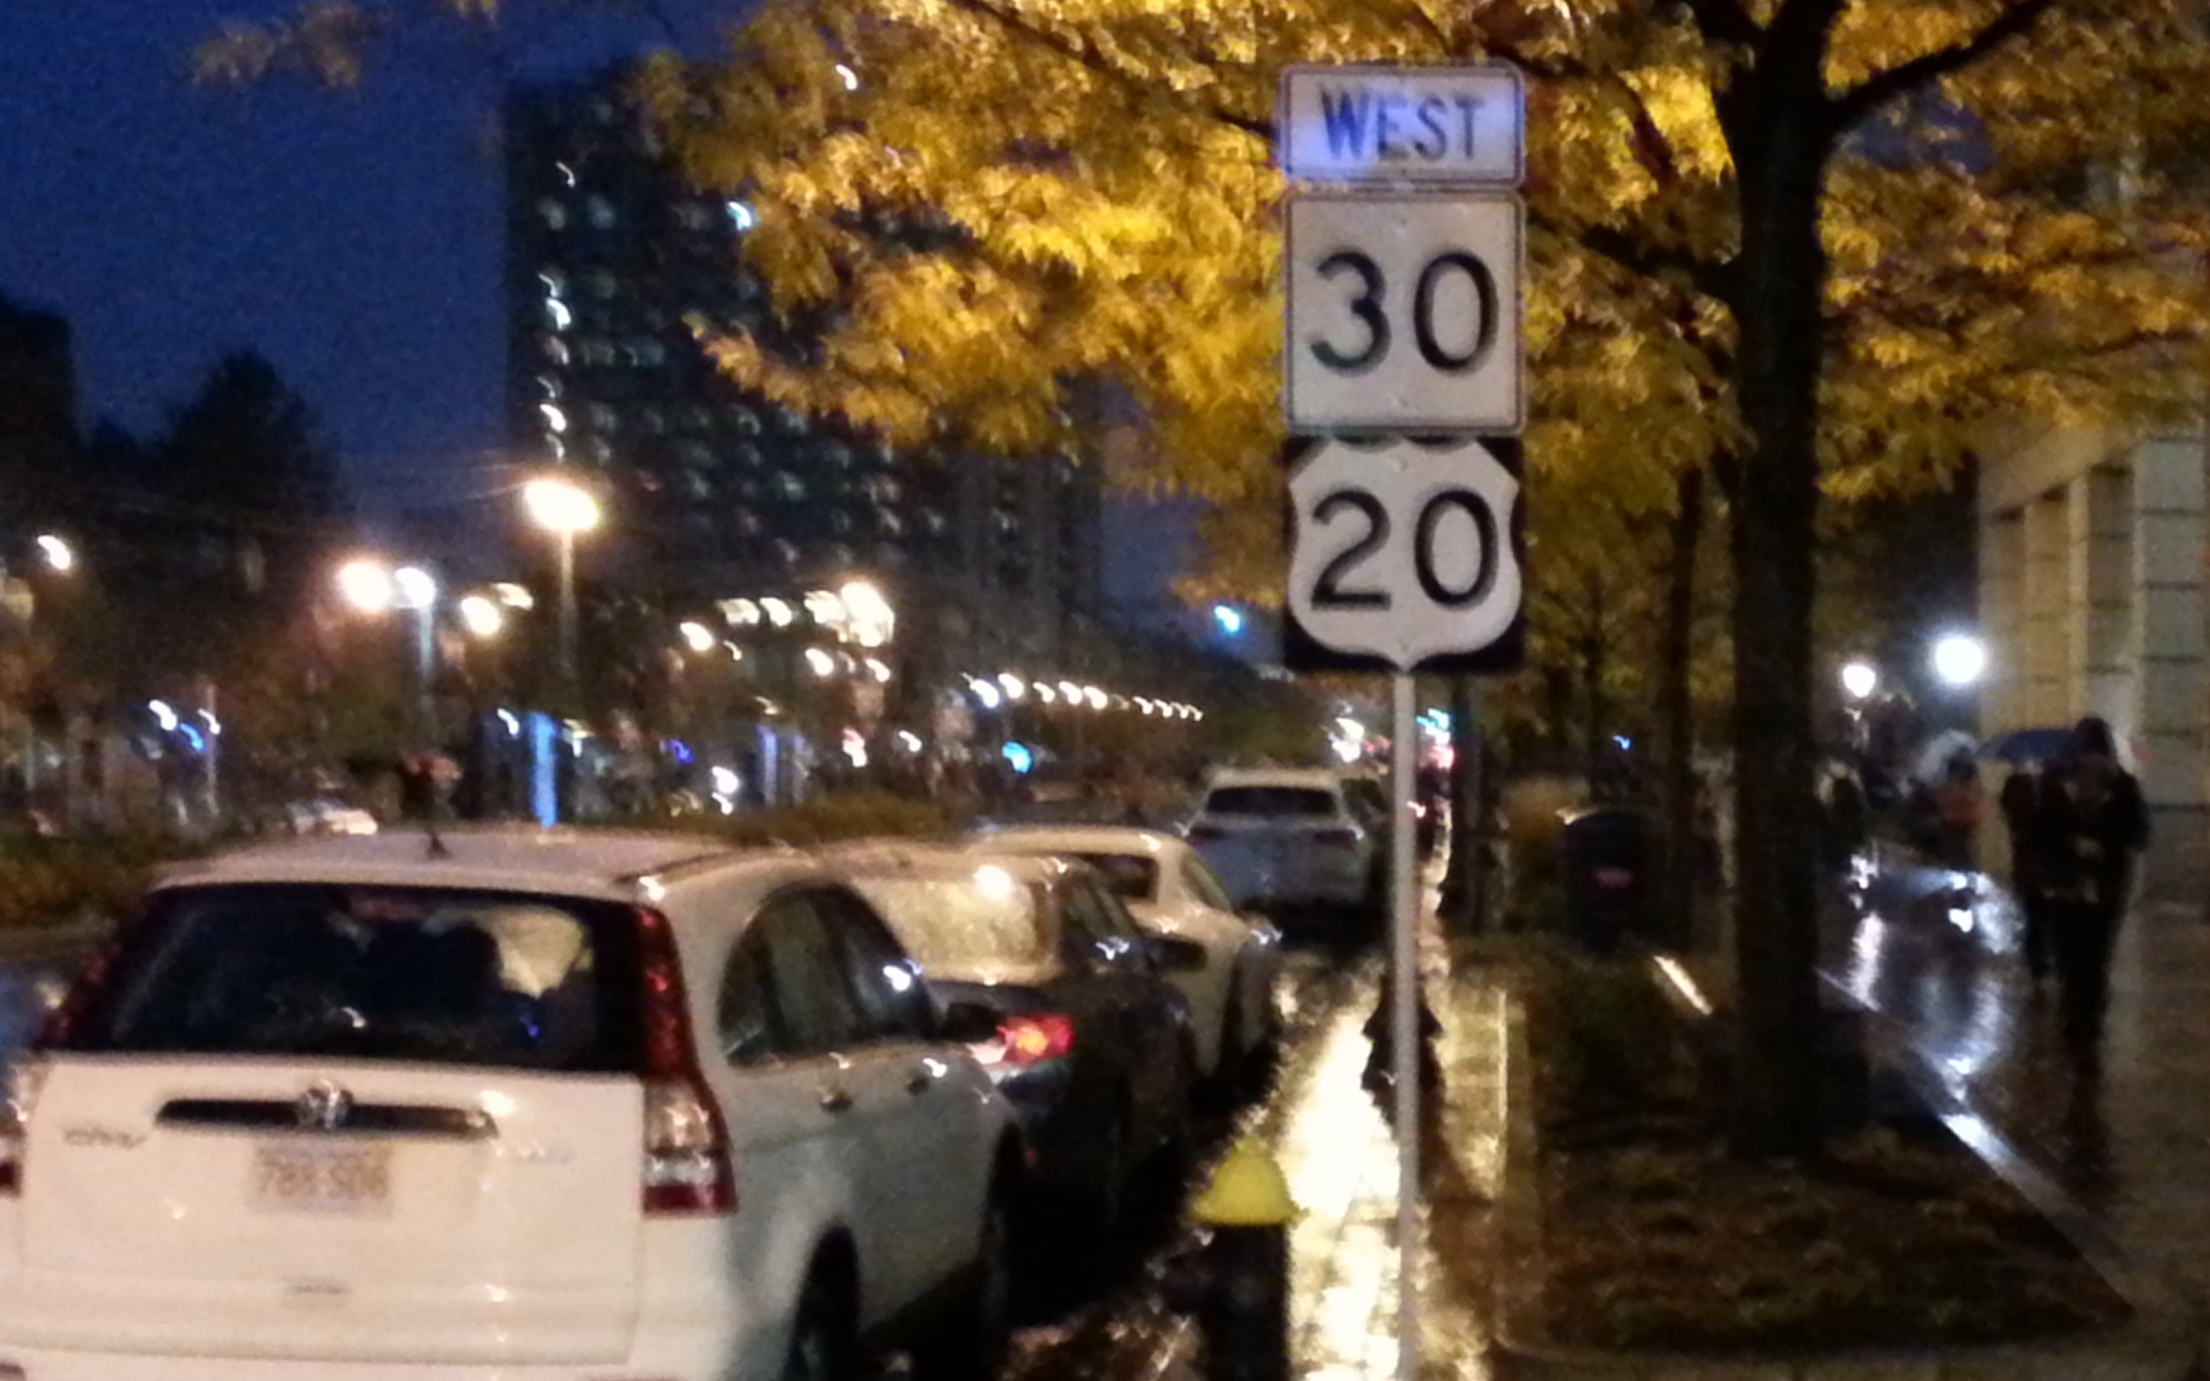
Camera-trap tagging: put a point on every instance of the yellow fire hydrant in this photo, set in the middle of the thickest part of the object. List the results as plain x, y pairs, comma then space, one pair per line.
1236, 1281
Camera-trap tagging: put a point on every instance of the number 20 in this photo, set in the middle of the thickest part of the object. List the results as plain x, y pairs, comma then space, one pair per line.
1329, 591
1369, 306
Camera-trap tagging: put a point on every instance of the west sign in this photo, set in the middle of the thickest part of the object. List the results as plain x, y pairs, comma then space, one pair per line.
1406, 125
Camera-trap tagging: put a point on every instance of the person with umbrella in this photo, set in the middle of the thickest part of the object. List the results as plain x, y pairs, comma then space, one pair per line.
2095, 822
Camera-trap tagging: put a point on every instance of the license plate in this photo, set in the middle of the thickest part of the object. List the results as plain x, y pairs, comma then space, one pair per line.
310, 1177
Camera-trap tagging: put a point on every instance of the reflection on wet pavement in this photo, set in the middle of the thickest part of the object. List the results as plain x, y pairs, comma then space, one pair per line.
2132, 1145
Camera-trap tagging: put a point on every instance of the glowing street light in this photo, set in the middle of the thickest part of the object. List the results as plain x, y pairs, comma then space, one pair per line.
481, 616
564, 509
1960, 659
367, 585
1859, 680
61, 558
697, 636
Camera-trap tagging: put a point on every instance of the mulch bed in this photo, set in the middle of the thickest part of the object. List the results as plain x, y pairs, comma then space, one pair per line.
1658, 1240
1655, 1239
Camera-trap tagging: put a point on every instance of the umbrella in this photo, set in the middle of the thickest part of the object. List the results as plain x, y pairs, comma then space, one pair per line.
2019, 746
2046, 744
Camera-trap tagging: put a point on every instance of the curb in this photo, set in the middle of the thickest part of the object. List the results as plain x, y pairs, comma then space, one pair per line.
2156, 1343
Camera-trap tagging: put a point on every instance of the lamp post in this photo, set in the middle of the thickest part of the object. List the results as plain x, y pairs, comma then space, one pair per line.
563, 508
374, 588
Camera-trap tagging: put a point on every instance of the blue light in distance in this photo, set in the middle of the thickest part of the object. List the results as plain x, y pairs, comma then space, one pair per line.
1229, 618
1018, 755
680, 751
193, 737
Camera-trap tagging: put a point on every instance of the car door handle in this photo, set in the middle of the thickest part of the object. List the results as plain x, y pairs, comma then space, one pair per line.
834, 1099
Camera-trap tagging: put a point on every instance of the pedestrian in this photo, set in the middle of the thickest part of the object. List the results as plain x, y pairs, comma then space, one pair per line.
2097, 821
1845, 820
1380, 1030
2025, 810
1959, 804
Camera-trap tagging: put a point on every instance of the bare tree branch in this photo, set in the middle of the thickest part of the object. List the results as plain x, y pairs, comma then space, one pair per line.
1855, 104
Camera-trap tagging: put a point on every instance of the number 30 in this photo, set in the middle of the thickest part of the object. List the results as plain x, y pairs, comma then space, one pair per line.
1368, 305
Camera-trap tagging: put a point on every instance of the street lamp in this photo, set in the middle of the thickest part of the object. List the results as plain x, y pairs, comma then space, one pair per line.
564, 509
1859, 680
61, 558
1959, 660
481, 616
374, 588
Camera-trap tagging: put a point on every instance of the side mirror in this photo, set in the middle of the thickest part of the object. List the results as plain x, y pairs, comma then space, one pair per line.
1173, 954
970, 1023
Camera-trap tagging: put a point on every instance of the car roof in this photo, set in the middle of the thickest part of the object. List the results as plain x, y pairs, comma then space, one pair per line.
884, 857
1077, 838
607, 864
1275, 776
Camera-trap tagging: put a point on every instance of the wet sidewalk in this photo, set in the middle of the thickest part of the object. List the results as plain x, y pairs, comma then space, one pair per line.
1337, 1152
2133, 1146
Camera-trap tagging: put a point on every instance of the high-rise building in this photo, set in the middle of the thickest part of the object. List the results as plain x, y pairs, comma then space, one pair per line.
715, 492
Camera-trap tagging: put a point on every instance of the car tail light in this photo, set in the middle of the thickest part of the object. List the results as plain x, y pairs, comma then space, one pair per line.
24, 1079
687, 1167
1031, 1040
1336, 839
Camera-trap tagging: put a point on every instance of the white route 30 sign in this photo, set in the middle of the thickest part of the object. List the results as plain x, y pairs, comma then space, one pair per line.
1407, 555
1404, 313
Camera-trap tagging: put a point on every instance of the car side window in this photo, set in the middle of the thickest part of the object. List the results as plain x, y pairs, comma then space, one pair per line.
1094, 934
1203, 885
892, 1003
813, 993
744, 1014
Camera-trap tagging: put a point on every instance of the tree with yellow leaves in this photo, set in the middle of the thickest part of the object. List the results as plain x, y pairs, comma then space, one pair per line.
1791, 243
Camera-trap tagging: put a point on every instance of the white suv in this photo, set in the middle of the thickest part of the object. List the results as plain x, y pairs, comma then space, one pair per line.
509, 1105
1287, 838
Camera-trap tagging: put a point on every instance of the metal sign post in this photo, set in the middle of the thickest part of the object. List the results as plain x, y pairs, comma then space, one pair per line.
1404, 959
1406, 549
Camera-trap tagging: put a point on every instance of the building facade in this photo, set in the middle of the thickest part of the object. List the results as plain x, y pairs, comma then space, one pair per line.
2092, 601
715, 492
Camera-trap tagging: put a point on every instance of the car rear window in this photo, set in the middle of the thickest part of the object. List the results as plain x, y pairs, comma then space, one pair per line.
1130, 877
1271, 800
413, 975
953, 924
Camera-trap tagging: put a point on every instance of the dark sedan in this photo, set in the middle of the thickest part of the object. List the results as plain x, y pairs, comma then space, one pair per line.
1064, 998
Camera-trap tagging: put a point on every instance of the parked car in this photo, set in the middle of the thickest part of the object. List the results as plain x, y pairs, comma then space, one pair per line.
504, 1102
1068, 1002
1170, 891
1286, 838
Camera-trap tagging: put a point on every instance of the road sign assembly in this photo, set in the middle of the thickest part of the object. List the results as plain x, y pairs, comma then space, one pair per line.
1403, 318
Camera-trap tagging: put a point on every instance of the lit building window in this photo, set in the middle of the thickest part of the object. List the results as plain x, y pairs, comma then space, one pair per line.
556, 350
792, 488
600, 212
557, 312
549, 384
553, 214
746, 421
741, 216
554, 417
604, 418
889, 522
791, 421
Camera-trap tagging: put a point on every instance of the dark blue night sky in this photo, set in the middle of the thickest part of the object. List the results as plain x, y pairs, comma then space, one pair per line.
353, 237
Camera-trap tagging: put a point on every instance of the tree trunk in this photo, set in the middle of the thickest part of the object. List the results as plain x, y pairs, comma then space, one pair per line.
1676, 745
1779, 133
